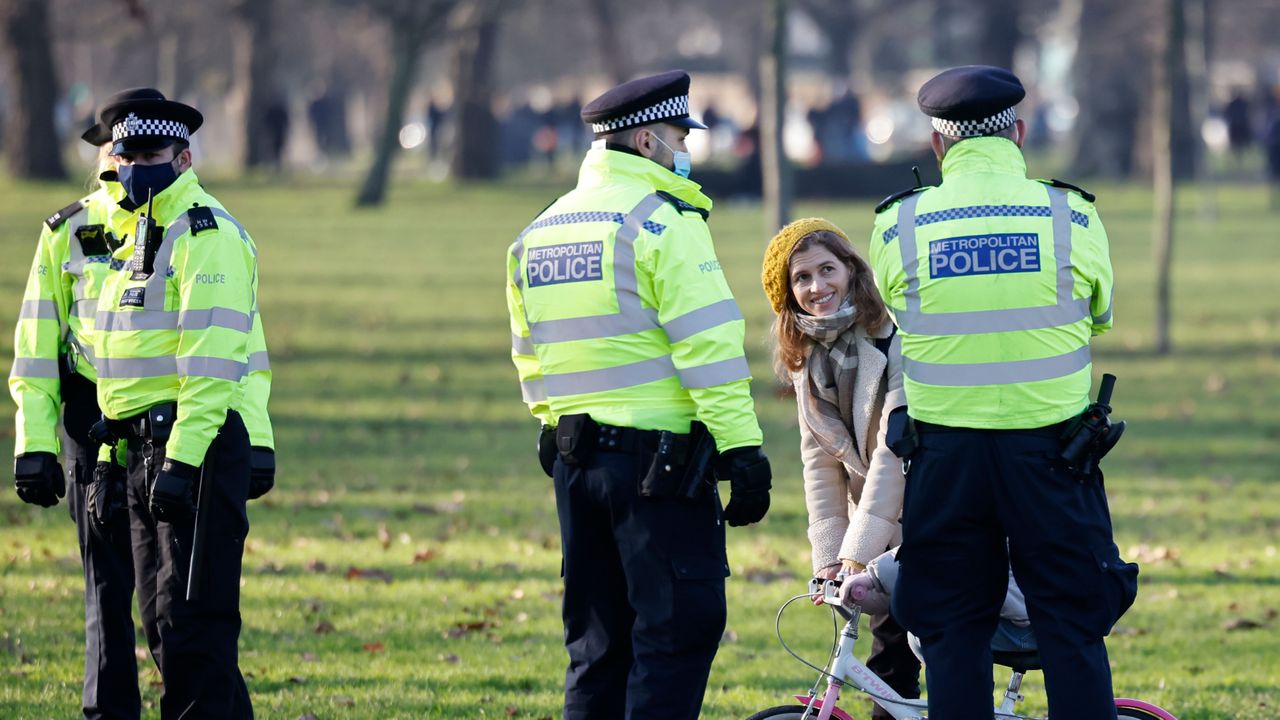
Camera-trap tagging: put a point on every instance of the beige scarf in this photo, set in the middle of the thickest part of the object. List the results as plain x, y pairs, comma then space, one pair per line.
839, 387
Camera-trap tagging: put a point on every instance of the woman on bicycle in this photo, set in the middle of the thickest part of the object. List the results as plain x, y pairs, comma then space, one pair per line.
836, 344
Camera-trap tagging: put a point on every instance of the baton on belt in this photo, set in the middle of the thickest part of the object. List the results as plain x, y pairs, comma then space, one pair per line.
195, 573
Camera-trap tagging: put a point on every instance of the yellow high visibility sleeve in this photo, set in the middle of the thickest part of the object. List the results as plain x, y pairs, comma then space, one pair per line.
257, 389
37, 344
522, 354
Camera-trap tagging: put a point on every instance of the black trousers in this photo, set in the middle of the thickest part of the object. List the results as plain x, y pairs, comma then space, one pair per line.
110, 667
194, 643
644, 603
967, 491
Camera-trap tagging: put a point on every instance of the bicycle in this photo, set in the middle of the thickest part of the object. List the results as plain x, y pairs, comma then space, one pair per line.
845, 669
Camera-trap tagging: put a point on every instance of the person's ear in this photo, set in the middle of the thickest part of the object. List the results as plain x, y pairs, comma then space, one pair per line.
645, 144
1020, 132
935, 142
183, 160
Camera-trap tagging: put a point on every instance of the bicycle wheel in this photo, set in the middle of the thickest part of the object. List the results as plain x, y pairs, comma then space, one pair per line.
783, 712
1138, 710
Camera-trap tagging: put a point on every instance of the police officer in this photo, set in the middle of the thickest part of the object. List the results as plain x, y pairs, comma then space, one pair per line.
997, 283
629, 348
53, 366
176, 329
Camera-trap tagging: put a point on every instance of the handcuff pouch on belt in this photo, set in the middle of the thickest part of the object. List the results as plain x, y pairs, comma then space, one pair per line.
680, 464
576, 437
901, 436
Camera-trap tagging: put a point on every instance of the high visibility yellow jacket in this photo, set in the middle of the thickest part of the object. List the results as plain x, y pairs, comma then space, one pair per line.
619, 308
55, 323
190, 330
996, 283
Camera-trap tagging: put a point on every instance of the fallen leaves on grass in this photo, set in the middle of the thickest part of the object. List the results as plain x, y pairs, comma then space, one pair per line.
1241, 624
324, 627
317, 566
450, 658
384, 536
355, 573
374, 648
1143, 553
424, 555
463, 629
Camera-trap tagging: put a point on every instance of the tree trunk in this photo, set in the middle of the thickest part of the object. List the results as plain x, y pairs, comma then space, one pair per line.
406, 44
1106, 130
1162, 160
33, 147
609, 41
999, 35
773, 82
255, 59
475, 154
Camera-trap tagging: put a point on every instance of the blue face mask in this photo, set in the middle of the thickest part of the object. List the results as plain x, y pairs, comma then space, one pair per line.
682, 160
141, 182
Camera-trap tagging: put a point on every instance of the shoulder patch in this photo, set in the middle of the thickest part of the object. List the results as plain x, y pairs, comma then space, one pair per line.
1074, 188
56, 219
201, 219
889, 201
682, 206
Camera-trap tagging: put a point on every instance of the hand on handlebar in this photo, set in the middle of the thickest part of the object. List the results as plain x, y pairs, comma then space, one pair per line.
863, 590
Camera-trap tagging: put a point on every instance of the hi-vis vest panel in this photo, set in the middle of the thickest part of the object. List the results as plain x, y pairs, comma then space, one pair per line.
626, 316
996, 301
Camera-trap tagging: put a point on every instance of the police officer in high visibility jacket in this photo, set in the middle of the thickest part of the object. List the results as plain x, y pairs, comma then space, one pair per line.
629, 348
997, 283
53, 366
172, 343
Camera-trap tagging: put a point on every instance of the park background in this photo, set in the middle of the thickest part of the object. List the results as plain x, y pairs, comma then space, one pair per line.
384, 153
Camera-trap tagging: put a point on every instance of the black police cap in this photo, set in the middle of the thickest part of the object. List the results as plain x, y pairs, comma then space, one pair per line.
662, 98
142, 119
971, 100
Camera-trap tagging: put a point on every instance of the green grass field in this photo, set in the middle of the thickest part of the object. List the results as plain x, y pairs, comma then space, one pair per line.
406, 566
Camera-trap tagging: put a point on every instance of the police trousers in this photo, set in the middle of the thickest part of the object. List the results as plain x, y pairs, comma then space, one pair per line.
110, 667
195, 644
644, 600
969, 490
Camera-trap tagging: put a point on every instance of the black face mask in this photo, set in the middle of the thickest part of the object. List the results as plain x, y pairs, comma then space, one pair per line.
142, 182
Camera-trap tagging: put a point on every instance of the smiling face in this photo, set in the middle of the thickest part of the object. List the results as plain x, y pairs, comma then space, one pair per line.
819, 280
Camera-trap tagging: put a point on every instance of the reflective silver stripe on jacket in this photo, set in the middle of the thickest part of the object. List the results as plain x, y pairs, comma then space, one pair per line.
521, 345
34, 368
533, 391
704, 318
647, 371
164, 365
1065, 311
1105, 317
996, 373
259, 361
38, 310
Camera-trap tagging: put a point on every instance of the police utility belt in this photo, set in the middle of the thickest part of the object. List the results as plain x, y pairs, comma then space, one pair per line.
680, 465
152, 425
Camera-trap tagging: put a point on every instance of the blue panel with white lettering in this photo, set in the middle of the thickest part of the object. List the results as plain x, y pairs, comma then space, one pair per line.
991, 254
572, 262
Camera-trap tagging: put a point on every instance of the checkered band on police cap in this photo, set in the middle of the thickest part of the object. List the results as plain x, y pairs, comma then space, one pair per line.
134, 126
975, 128
676, 107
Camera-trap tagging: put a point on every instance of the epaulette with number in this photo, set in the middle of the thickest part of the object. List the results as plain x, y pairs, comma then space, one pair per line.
1068, 186
201, 219
683, 206
889, 201
56, 219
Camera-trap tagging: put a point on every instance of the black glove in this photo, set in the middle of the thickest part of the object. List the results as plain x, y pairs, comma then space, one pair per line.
749, 476
262, 471
38, 478
547, 450
172, 499
105, 496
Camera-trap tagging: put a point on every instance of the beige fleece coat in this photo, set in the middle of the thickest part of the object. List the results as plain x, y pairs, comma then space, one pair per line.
854, 508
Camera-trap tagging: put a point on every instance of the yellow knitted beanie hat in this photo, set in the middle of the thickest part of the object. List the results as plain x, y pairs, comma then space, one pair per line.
776, 257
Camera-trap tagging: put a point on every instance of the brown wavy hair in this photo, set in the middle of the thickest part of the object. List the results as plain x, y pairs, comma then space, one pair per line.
792, 347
